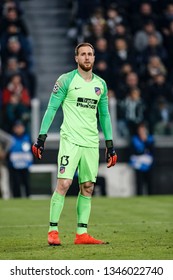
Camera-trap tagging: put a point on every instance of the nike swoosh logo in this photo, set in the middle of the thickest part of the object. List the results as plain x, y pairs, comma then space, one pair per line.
77, 87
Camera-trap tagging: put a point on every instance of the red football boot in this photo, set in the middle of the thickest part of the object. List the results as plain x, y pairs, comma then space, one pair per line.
85, 238
53, 238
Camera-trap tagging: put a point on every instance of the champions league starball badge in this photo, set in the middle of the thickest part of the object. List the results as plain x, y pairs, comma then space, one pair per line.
56, 87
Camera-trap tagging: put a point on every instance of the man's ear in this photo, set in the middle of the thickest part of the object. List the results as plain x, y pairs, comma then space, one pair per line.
76, 59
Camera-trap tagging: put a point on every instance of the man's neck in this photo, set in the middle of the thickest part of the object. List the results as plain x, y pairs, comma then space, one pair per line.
87, 76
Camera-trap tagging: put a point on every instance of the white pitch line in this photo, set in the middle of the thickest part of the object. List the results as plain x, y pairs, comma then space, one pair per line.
118, 223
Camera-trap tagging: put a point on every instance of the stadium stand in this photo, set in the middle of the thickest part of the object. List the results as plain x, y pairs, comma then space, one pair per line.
48, 23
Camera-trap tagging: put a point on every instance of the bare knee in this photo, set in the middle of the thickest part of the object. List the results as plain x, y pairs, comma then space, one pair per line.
63, 186
87, 188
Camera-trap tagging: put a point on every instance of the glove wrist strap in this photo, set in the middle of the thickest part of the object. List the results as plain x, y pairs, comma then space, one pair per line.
42, 137
109, 144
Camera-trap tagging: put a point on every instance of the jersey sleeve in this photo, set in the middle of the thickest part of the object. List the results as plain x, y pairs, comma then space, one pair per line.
104, 115
57, 97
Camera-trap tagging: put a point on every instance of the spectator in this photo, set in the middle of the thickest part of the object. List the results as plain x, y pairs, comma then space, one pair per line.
144, 14
113, 18
154, 49
101, 50
117, 83
97, 17
121, 32
14, 49
158, 87
11, 31
20, 159
141, 159
24, 61
102, 59
131, 81
5, 143
166, 18
131, 111
10, 4
162, 117
84, 10
11, 15
120, 55
16, 87
95, 32
101, 69
15, 102
154, 67
141, 36
168, 41
12, 68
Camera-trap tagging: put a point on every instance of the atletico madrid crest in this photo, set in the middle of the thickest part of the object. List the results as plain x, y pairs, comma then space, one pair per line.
62, 169
97, 90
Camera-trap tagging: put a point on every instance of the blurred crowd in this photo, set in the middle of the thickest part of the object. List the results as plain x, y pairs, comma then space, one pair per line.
17, 78
133, 42
17, 88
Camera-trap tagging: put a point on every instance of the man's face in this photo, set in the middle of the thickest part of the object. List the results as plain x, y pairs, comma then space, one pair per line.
85, 58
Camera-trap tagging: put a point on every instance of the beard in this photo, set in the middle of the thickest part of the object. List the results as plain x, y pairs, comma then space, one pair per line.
85, 67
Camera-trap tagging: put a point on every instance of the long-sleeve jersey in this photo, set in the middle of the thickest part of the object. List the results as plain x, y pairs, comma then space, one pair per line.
80, 102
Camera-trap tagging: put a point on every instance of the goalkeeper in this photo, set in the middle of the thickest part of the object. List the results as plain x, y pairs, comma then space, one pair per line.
80, 93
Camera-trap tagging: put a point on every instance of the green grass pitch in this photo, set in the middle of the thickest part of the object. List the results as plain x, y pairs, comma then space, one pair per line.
138, 228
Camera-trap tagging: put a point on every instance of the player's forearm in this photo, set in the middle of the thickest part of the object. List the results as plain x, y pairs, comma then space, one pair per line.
54, 104
104, 117
47, 120
105, 122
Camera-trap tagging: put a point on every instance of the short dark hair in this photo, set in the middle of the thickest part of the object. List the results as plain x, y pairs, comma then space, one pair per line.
83, 45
